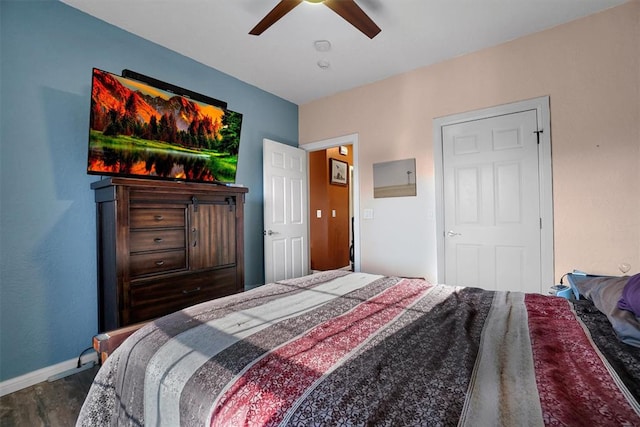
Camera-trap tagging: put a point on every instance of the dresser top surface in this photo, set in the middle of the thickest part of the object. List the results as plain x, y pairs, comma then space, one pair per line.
163, 184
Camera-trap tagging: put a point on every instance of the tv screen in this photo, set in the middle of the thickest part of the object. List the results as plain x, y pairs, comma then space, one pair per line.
140, 130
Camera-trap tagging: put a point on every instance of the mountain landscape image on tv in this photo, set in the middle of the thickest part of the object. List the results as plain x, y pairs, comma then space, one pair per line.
138, 130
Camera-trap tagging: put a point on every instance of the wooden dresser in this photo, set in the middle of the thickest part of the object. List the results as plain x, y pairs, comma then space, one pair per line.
165, 245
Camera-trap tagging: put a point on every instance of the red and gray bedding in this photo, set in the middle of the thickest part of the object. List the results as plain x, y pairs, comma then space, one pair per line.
339, 348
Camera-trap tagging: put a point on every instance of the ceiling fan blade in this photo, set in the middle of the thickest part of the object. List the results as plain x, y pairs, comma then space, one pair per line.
352, 13
272, 17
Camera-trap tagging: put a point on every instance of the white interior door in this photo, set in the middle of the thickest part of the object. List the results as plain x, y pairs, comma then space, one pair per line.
492, 215
286, 241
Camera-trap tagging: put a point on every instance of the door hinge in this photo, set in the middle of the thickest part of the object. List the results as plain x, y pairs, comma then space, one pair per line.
540, 223
538, 132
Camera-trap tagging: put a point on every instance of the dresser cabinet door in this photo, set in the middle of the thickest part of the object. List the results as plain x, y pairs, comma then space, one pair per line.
213, 235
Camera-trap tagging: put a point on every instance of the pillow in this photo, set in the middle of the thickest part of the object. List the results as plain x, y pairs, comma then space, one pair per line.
606, 292
630, 299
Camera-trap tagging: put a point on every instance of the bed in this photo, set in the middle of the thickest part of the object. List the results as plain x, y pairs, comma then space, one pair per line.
341, 348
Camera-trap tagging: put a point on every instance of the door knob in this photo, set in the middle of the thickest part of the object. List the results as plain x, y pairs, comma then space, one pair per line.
452, 233
269, 232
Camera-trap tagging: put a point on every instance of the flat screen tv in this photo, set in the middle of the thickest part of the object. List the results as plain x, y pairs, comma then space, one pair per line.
143, 128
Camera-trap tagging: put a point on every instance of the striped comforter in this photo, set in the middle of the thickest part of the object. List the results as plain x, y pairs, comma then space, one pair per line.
339, 348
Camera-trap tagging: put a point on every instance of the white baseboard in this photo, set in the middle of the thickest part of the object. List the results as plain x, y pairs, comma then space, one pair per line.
35, 377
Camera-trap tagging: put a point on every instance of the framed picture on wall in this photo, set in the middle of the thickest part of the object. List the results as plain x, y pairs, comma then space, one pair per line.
396, 178
339, 172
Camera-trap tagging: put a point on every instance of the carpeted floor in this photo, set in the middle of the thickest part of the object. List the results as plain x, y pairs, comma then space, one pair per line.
51, 404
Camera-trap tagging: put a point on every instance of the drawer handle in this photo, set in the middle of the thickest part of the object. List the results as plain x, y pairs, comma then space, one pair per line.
185, 292
158, 240
158, 217
159, 263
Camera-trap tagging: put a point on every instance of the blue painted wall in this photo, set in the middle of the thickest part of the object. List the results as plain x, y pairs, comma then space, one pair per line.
47, 213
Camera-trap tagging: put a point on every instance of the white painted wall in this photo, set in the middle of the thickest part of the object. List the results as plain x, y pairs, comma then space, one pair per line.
588, 67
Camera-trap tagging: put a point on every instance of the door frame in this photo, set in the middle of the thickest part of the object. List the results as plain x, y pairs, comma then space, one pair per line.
352, 140
541, 105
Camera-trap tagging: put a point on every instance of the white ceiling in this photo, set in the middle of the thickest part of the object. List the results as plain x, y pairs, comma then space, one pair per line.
283, 60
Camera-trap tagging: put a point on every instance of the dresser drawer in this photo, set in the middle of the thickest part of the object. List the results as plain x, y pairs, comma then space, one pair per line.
153, 240
156, 217
154, 298
157, 262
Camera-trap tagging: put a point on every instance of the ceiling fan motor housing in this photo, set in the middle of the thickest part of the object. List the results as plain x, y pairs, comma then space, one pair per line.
347, 9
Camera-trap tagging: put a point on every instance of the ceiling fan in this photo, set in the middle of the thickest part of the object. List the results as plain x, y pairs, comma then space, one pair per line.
347, 9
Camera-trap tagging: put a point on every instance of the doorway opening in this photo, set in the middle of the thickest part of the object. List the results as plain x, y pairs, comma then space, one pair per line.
334, 203
330, 208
